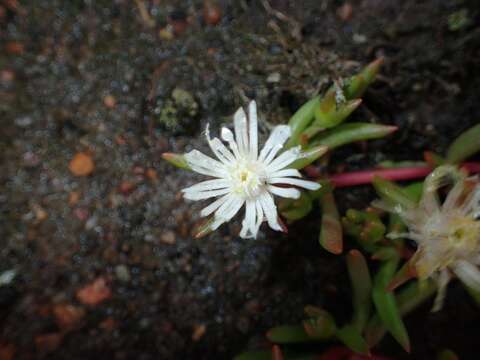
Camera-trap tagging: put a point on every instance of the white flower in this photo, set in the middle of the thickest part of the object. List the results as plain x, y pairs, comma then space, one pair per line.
245, 177
448, 233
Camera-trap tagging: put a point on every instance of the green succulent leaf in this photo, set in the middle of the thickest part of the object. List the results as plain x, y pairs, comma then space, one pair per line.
362, 288
408, 298
311, 154
288, 334
329, 113
386, 304
331, 233
447, 355
464, 146
365, 226
393, 193
177, 160
321, 325
295, 209
353, 339
301, 119
358, 84
351, 132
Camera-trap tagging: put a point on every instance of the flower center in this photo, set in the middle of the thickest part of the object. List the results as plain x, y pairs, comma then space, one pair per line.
465, 235
247, 180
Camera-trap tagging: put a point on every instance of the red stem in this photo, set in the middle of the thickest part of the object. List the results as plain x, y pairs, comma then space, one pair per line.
408, 173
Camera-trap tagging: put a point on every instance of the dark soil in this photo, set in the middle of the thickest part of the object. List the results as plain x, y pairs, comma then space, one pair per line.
100, 78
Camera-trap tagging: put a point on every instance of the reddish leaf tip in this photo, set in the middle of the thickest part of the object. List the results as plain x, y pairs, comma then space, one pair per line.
391, 128
355, 253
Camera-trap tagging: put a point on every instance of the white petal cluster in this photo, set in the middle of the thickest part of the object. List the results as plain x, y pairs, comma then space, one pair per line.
448, 233
243, 176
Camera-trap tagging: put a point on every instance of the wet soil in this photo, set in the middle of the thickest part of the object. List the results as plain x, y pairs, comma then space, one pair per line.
104, 265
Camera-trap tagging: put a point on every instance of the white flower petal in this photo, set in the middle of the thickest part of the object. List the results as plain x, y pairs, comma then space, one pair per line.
213, 206
227, 136
260, 219
213, 184
468, 273
220, 150
472, 203
249, 222
241, 132
253, 129
271, 155
270, 211
201, 195
285, 173
284, 192
453, 196
204, 164
442, 282
310, 185
284, 159
275, 141
229, 208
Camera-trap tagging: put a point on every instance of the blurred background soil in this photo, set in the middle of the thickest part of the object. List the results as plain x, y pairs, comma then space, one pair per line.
97, 258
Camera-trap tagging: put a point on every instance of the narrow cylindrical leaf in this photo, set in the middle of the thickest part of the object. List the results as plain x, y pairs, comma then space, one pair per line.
295, 209
288, 334
352, 338
177, 160
432, 159
309, 156
385, 253
329, 114
331, 234
321, 325
386, 305
406, 272
204, 228
393, 193
447, 355
277, 353
361, 286
325, 187
464, 146
408, 299
359, 83
352, 132
301, 119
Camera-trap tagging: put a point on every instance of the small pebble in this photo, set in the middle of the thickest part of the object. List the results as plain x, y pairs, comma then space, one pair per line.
7, 76
168, 237
126, 187
211, 13
109, 101
23, 121
7, 277
81, 214
274, 78
73, 198
198, 332
14, 47
68, 316
122, 273
94, 293
81, 164
345, 11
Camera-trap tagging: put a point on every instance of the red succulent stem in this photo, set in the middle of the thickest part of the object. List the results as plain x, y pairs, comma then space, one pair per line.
363, 177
